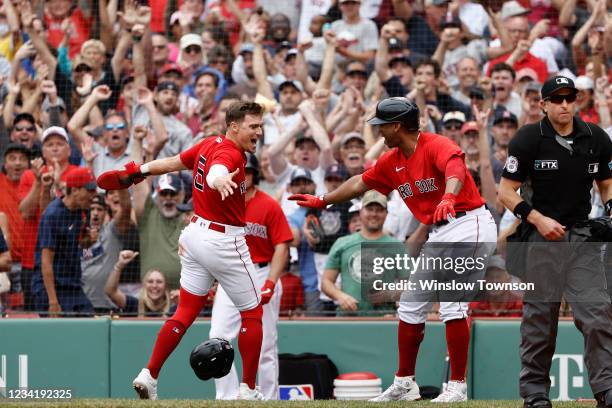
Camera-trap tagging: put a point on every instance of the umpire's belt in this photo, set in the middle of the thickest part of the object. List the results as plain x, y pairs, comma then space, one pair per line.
222, 228
458, 214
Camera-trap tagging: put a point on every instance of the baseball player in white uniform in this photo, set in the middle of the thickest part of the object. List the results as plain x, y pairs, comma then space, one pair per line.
267, 235
213, 246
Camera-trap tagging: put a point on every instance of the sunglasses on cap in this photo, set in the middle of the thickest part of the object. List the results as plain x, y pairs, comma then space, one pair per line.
118, 126
558, 99
193, 49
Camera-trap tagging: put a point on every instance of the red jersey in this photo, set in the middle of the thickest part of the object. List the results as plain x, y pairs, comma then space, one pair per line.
30, 230
528, 61
293, 293
266, 226
9, 204
420, 178
207, 202
80, 26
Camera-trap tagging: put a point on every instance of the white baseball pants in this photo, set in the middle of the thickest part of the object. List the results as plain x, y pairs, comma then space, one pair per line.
477, 225
207, 255
225, 324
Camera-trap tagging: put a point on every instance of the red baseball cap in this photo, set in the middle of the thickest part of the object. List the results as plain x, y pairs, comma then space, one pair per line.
469, 127
81, 177
171, 67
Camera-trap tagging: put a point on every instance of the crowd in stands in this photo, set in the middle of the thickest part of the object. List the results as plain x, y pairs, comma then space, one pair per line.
88, 86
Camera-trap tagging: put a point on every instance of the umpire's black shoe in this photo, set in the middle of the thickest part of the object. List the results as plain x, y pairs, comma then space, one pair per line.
604, 399
537, 401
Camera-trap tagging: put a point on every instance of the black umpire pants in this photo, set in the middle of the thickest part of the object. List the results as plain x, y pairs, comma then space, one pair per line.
572, 269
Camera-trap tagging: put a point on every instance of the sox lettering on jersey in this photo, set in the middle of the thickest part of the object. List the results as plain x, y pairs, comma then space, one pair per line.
256, 230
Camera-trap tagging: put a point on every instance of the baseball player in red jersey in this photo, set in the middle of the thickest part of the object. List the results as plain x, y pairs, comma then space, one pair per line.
268, 236
429, 172
213, 245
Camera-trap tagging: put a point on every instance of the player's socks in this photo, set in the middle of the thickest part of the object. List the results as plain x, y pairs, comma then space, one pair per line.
458, 342
173, 330
249, 344
409, 338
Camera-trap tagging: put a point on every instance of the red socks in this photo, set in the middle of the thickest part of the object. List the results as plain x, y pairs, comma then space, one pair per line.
249, 344
173, 330
409, 338
458, 343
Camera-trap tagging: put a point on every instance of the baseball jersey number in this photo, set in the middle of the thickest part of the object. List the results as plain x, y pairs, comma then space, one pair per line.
198, 180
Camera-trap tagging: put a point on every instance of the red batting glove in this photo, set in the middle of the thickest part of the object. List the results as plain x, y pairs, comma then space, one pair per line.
445, 208
310, 201
121, 179
267, 291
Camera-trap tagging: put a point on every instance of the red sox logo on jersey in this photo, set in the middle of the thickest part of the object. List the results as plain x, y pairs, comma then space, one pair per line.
424, 186
256, 230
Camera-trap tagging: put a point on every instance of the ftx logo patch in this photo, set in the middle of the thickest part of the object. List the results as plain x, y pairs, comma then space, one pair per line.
546, 165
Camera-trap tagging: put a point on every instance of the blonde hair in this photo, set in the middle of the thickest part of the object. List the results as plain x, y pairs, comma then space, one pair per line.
93, 43
146, 304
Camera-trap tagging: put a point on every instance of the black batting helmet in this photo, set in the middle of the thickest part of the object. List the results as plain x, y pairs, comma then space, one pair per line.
213, 358
397, 110
253, 164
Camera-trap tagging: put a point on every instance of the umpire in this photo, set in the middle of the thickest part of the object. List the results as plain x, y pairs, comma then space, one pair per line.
558, 158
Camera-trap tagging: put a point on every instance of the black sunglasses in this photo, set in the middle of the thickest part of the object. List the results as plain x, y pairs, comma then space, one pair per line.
558, 99
193, 49
357, 72
27, 128
453, 126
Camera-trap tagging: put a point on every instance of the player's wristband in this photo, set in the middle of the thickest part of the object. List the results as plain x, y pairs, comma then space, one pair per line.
608, 206
144, 169
522, 210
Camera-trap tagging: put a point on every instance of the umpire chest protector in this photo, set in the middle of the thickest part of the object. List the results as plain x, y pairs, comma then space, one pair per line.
560, 170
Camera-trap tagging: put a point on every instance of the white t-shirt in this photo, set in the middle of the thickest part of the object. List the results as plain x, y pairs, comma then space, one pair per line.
310, 8
475, 18
513, 104
271, 131
365, 31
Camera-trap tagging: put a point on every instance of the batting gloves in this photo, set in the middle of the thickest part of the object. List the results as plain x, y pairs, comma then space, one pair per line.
310, 201
267, 291
121, 179
445, 208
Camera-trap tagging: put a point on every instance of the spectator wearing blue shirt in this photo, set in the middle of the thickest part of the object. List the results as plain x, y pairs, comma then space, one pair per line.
62, 233
302, 183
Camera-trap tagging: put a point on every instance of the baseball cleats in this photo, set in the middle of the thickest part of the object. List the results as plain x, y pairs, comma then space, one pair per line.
456, 391
245, 393
402, 389
145, 385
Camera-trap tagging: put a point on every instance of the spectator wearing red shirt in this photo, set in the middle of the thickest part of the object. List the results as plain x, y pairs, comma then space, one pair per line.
292, 299
58, 10
584, 99
16, 162
498, 303
518, 31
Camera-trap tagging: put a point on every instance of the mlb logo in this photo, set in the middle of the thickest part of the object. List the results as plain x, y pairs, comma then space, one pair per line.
562, 80
303, 392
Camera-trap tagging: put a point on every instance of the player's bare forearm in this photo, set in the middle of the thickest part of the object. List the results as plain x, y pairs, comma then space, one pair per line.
163, 166
453, 186
46, 266
279, 261
353, 187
